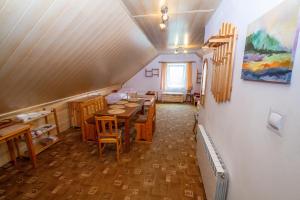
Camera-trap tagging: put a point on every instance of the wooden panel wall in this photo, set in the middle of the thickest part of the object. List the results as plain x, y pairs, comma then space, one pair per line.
53, 49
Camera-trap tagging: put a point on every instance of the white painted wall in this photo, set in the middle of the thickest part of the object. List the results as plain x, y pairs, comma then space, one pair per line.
142, 84
261, 164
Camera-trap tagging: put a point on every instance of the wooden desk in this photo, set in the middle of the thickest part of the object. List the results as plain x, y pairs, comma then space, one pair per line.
126, 116
9, 133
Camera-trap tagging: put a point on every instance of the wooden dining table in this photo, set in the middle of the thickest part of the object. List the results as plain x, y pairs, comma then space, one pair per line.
127, 116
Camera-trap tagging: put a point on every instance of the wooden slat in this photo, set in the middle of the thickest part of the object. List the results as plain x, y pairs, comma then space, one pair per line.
223, 57
231, 62
10, 14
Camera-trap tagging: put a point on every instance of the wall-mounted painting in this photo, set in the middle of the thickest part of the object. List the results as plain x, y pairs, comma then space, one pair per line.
271, 44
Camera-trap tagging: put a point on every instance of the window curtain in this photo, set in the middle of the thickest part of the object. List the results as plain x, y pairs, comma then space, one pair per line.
163, 76
189, 81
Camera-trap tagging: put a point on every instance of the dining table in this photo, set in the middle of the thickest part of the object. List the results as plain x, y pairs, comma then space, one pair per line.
126, 116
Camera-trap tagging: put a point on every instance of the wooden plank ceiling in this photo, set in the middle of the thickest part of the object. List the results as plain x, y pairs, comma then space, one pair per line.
180, 26
50, 49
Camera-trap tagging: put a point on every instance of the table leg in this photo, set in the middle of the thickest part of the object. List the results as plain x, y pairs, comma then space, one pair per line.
16, 141
31, 151
127, 136
143, 109
10, 146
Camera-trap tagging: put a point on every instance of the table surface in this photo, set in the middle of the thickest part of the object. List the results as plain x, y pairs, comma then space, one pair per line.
12, 130
129, 111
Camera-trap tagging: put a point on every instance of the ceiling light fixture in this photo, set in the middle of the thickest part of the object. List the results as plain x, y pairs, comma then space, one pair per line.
164, 17
180, 49
162, 25
164, 12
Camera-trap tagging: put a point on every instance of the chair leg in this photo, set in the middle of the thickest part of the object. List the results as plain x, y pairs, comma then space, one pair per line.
16, 141
121, 147
138, 132
118, 149
100, 149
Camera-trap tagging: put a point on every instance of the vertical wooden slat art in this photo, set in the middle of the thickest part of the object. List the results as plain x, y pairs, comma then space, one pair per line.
223, 46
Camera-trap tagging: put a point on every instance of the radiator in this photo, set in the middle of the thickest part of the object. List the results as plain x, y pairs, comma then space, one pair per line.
214, 176
172, 97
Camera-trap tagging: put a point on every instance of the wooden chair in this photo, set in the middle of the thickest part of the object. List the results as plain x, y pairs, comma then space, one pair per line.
108, 132
145, 125
88, 109
188, 96
196, 98
100, 103
88, 129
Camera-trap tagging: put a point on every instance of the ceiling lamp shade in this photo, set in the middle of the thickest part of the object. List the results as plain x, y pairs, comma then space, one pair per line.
162, 25
165, 17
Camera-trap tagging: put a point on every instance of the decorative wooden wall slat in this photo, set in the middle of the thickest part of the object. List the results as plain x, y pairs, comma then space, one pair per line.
223, 46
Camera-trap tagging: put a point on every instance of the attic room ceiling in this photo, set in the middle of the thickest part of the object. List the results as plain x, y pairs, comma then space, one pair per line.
184, 29
52, 49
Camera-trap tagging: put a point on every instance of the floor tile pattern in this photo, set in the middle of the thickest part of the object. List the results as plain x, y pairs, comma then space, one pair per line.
166, 169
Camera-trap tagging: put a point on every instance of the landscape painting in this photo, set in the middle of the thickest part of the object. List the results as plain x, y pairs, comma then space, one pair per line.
271, 45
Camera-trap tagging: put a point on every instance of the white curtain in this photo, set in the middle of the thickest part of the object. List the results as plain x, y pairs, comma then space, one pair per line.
176, 77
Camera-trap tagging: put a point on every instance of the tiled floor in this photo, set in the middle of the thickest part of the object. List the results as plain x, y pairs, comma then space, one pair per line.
165, 169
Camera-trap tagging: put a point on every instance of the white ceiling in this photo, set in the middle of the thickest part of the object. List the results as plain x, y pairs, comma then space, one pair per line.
179, 25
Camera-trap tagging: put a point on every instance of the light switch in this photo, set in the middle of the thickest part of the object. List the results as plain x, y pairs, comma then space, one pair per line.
275, 121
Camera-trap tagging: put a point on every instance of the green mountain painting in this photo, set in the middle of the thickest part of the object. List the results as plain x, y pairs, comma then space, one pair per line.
271, 45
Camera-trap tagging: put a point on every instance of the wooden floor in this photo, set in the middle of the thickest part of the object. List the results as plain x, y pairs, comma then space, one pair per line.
165, 169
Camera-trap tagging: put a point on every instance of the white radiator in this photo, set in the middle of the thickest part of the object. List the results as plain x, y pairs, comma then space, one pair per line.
214, 176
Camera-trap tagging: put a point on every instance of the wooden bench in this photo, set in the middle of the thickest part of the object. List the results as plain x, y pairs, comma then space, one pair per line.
145, 125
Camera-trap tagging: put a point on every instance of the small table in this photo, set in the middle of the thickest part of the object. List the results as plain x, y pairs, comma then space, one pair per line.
9, 133
126, 116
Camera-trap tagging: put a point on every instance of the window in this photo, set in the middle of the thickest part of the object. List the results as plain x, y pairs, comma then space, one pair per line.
176, 77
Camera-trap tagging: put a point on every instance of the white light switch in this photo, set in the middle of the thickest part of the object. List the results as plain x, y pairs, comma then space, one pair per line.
275, 121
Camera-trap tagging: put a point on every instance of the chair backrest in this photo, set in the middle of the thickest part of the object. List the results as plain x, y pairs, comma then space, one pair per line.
88, 109
107, 126
100, 103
